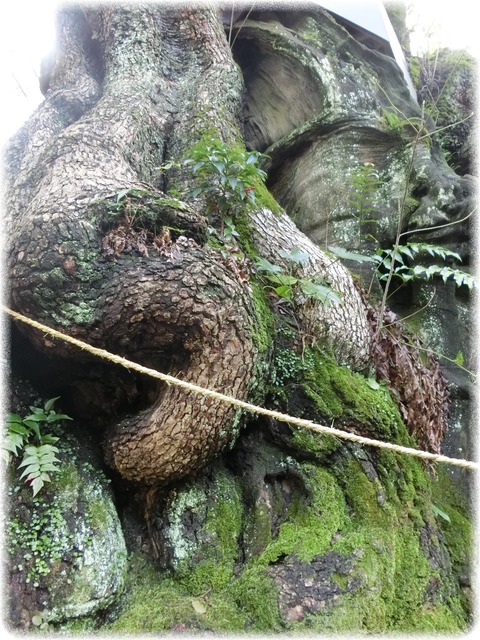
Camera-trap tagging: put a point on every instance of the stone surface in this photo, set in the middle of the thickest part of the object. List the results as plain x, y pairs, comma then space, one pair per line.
66, 548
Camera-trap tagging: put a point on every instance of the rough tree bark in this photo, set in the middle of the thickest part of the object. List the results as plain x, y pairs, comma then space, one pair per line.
129, 88
60, 271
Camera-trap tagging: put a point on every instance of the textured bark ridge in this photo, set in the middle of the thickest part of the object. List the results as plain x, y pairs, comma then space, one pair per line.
341, 325
132, 109
204, 309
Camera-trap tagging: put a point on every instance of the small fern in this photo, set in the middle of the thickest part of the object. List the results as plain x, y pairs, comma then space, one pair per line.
39, 450
401, 254
365, 183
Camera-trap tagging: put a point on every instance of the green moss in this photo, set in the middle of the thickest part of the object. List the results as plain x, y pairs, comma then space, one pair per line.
263, 198
263, 336
340, 393
258, 530
204, 594
335, 393
153, 602
393, 556
256, 596
308, 530
458, 532
319, 444
341, 511
264, 326
348, 514
242, 225
156, 602
173, 203
362, 495
310, 33
415, 69
67, 481
214, 558
97, 514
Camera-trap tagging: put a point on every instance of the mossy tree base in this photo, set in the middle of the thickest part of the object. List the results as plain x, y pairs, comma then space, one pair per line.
267, 542
294, 531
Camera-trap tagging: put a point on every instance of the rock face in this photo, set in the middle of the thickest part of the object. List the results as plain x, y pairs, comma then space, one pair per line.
448, 84
355, 162
66, 547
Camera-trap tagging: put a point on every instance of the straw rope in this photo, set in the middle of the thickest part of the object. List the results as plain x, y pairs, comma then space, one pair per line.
282, 417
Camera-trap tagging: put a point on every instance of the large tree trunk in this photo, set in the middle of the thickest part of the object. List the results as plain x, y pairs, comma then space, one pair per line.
130, 88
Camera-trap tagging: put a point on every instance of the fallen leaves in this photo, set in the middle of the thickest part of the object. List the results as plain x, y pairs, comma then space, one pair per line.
414, 378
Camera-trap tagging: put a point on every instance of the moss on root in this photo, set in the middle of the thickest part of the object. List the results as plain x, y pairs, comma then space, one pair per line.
389, 587
309, 383
320, 519
203, 594
370, 511
347, 396
156, 602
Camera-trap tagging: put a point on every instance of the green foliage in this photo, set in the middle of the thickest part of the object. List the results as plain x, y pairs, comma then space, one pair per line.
343, 254
226, 176
365, 182
441, 514
397, 260
284, 283
288, 366
25, 435
398, 122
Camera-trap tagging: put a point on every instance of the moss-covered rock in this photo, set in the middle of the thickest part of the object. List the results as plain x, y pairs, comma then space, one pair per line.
66, 547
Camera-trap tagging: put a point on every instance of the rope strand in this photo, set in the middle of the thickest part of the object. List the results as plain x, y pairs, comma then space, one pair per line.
281, 417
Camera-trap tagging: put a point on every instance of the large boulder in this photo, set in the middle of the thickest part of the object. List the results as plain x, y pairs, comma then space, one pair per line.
66, 550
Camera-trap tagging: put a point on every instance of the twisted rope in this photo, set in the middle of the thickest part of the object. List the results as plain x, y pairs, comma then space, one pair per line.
281, 417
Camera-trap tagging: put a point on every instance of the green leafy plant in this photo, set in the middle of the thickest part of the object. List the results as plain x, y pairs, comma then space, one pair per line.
397, 122
284, 283
365, 183
25, 435
440, 514
225, 175
397, 260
